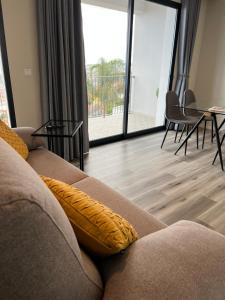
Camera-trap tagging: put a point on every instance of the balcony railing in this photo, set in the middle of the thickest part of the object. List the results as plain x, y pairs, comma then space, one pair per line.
4, 115
105, 95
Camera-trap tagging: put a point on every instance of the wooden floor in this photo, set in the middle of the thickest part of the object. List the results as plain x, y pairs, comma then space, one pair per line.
168, 186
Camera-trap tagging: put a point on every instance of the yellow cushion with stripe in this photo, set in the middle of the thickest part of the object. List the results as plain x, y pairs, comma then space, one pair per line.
13, 140
101, 231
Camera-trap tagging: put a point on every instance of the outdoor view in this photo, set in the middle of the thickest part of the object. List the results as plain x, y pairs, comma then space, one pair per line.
105, 82
105, 39
105, 32
4, 114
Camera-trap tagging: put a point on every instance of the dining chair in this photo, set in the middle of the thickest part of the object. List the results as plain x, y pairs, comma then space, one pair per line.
189, 99
175, 116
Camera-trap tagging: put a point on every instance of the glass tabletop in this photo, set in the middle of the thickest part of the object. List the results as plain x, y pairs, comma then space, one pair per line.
214, 109
57, 128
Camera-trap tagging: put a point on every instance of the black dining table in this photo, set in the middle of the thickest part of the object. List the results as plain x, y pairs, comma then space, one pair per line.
214, 111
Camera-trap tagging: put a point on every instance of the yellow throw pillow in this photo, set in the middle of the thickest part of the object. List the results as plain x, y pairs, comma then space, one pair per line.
13, 140
97, 227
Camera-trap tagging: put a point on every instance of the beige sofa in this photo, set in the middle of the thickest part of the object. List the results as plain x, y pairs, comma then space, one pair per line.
41, 259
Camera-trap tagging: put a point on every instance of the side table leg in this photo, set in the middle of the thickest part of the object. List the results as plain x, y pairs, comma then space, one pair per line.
50, 143
81, 148
71, 141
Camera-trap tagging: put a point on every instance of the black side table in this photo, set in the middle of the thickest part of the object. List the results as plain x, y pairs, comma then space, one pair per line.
62, 129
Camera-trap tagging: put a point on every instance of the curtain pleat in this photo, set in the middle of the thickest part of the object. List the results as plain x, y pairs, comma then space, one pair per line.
62, 64
187, 34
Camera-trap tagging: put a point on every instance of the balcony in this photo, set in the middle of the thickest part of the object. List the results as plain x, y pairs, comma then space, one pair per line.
4, 113
106, 107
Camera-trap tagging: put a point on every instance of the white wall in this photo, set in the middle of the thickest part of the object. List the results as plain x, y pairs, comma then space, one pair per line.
198, 44
22, 46
210, 75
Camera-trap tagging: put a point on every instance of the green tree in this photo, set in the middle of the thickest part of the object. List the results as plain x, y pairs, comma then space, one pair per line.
106, 84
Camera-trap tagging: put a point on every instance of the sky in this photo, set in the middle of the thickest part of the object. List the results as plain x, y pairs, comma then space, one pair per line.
105, 33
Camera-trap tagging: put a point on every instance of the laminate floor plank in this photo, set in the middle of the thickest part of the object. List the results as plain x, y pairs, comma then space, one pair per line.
171, 187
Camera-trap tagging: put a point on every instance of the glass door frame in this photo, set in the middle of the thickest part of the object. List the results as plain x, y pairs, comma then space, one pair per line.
5, 64
125, 135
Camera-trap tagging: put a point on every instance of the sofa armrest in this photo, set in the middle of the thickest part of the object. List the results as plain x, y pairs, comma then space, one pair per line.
32, 142
183, 261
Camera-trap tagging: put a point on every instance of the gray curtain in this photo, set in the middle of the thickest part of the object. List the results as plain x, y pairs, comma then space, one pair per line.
187, 34
62, 63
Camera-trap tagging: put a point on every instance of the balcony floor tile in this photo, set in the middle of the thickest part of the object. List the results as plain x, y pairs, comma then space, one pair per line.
101, 127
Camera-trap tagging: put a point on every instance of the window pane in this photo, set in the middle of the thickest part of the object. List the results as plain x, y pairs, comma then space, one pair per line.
4, 112
105, 35
153, 41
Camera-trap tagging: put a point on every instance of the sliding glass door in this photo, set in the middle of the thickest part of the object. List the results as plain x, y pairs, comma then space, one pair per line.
154, 28
130, 54
105, 32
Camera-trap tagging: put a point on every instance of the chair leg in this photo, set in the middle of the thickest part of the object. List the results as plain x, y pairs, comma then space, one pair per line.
183, 129
167, 129
203, 139
212, 135
185, 151
197, 134
217, 150
221, 125
175, 139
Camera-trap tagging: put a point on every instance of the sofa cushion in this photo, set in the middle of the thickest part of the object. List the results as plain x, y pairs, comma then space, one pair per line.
49, 164
101, 231
143, 222
40, 257
13, 140
91, 269
183, 261
32, 142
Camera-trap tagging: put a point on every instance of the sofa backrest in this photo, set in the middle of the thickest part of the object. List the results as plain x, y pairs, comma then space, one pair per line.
40, 257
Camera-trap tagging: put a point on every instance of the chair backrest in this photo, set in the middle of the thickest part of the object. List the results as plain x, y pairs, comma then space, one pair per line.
171, 100
189, 98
